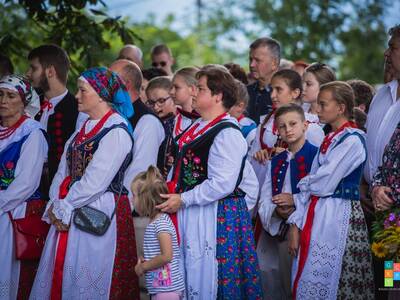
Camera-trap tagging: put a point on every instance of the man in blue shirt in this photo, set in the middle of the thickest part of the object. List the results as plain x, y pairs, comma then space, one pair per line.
264, 58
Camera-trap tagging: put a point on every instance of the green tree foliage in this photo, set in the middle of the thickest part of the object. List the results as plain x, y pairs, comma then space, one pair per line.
86, 34
348, 34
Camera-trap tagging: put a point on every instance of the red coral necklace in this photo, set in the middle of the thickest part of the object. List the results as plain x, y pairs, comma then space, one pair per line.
82, 136
5, 133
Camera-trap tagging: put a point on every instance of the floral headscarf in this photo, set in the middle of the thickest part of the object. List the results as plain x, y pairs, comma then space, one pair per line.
24, 88
109, 86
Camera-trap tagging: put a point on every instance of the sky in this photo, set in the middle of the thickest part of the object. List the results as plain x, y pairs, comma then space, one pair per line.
138, 10
185, 12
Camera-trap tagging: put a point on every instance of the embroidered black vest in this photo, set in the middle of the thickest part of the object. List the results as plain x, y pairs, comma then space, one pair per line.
192, 160
60, 126
300, 166
79, 157
166, 155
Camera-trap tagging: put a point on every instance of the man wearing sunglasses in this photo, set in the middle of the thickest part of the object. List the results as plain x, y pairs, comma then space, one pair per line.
161, 58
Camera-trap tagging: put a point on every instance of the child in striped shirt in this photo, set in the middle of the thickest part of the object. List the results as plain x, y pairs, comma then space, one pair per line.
160, 264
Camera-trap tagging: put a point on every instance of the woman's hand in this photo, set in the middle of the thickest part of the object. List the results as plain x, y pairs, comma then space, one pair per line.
283, 199
60, 226
139, 267
380, 198
262, 156
285, 211
293, 240
172, 204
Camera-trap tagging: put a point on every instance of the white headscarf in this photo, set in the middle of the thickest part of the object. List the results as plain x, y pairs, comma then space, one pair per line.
24, 88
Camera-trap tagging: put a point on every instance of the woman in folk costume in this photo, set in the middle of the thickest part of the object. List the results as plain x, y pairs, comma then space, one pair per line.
92, 261
210, 184
334, 259
21, 140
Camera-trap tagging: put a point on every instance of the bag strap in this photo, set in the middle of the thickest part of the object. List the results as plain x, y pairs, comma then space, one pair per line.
116, 202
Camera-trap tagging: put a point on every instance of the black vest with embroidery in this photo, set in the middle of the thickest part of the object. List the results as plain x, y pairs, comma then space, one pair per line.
166, 156
60, 126
79, 157
192, 160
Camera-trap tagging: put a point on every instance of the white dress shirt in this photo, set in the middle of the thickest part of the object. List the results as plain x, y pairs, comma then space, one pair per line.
383, 117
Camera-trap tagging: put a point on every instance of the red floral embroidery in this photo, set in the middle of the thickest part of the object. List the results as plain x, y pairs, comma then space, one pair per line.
125, 283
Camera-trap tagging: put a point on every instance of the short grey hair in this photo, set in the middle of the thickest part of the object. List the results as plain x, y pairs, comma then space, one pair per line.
272, 44
129, 46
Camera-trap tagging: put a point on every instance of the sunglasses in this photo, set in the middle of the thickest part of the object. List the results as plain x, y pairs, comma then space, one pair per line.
159, 101
161, 63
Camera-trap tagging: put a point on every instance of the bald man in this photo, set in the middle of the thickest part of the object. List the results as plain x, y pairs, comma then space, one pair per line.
132, 53
148, 133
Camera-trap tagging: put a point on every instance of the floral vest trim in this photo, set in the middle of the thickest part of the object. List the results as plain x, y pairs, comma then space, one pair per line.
193, 159
78, 158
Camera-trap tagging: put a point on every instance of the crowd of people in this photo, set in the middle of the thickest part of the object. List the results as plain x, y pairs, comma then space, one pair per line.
203, 183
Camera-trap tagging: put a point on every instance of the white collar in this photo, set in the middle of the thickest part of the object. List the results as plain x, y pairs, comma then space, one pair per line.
55, 100
392, 85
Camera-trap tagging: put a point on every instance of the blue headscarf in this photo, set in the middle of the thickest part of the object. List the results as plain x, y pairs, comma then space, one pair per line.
109, 86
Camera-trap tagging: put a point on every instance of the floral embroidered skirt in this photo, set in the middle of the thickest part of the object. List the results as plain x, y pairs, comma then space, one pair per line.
356, 280
238, 269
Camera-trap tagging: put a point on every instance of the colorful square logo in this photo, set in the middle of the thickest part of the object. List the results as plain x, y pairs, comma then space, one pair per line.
396, 276
388, 273
388, 264
396, 267
388, 282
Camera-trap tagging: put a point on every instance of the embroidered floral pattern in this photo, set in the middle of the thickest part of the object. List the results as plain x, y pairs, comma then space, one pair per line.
192, 169
125, 283
238, 270
356, 280
389, 173
301, 166
7, 171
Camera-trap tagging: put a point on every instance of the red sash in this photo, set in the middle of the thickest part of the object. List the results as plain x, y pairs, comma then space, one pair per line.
56, 286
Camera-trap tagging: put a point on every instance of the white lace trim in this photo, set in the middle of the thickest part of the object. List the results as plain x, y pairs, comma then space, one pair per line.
320, 280
63, 211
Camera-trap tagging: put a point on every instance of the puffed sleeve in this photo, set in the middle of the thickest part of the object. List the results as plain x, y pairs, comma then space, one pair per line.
271, 222
340, 162
315, 134
148, 136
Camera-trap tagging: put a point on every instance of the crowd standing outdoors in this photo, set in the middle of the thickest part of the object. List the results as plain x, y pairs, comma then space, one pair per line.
203, 183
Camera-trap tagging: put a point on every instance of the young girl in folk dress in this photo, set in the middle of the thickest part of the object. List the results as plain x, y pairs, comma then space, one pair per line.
162, 257
184, 88
334, 260
314, 76
210, 181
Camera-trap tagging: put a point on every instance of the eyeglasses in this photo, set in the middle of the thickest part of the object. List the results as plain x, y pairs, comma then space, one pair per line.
161, 63
159, 101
